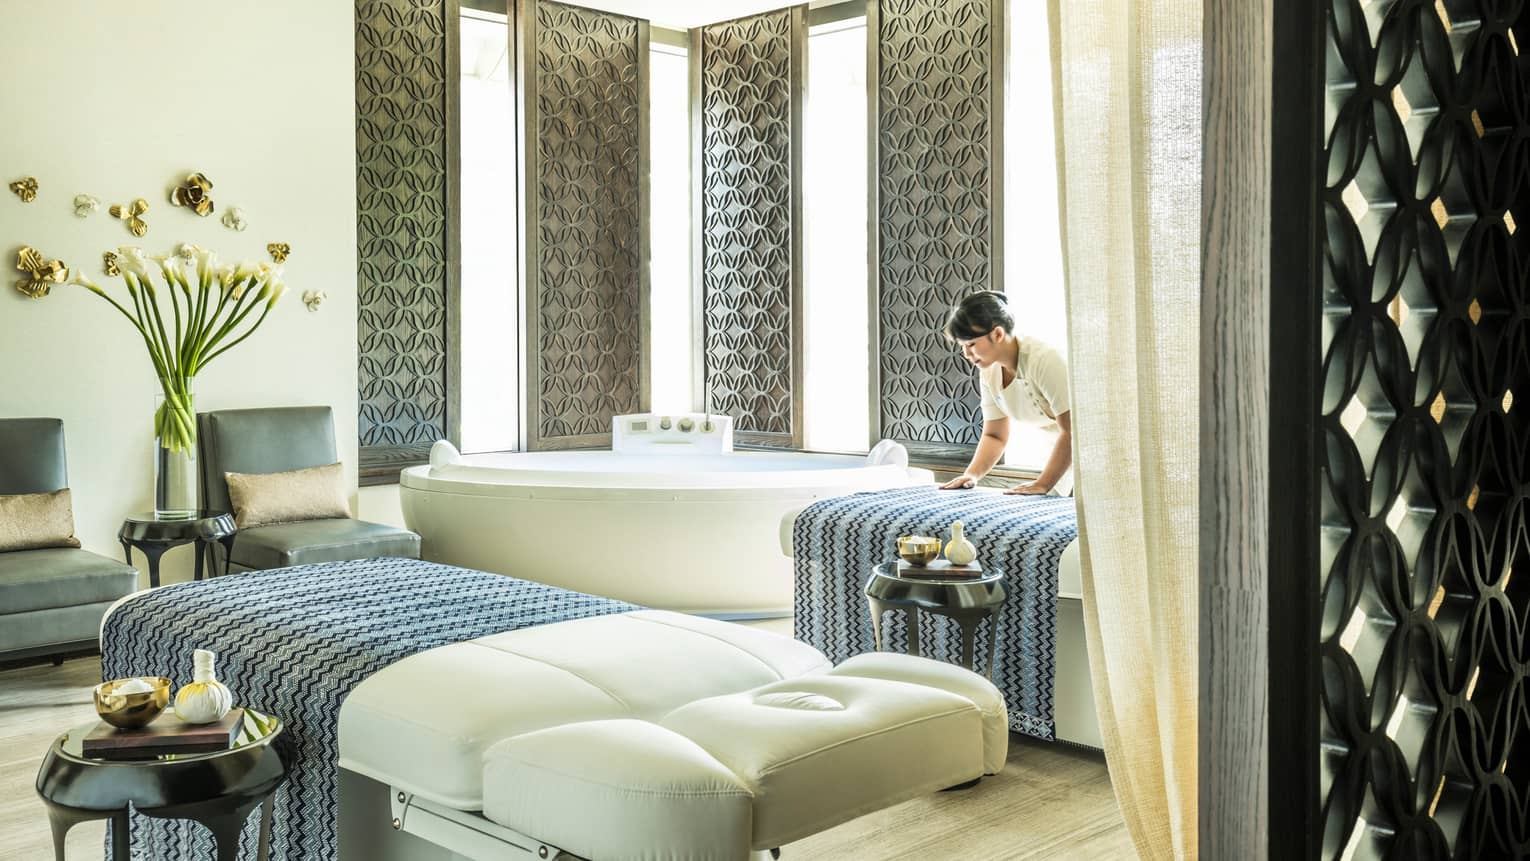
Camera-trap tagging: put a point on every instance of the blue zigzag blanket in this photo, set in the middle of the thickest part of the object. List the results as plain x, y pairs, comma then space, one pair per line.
293, 642
835, 543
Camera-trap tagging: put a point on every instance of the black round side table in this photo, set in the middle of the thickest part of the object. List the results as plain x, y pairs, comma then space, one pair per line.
969, 602
153, 535
217, 789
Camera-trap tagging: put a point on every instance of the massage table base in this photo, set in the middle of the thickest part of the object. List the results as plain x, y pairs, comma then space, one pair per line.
427, 831
695, 739
434, 832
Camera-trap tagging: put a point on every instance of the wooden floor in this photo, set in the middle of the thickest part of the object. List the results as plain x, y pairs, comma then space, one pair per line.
1050, 801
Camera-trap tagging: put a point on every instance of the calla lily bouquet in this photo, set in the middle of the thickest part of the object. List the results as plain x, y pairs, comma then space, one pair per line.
202, 311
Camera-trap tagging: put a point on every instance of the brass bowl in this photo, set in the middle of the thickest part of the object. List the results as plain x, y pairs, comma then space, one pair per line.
918, 549
130, 711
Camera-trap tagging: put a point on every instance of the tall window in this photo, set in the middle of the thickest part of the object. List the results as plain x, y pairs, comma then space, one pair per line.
671, 349
834, 164
488, 195
1033, 264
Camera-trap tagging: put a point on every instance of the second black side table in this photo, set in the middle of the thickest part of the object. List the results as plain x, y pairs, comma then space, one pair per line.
153, 535
969, 602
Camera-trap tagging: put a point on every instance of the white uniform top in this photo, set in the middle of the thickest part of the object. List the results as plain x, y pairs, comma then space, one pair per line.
1036, 396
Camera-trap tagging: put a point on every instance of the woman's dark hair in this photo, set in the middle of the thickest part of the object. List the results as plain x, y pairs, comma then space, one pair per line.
977, 315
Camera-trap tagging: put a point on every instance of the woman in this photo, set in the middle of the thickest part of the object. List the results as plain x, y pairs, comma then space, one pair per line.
1022, 380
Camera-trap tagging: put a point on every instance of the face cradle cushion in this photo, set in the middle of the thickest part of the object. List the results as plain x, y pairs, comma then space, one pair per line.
657, 735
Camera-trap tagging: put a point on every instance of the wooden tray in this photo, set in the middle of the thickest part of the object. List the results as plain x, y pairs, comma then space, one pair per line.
165, 734
940, 569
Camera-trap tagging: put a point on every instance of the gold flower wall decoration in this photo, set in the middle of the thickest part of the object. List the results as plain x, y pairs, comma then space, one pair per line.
132, 213
192, 194
41, 274
279, 251
25, 188
109, 263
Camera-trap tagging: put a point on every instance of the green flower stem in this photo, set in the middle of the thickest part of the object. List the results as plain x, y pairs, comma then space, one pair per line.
174, 424
203, 338
140, 302
138, 322
131, 319
198, 334
235, 317
175, 305
194, 330
159, 325
205, 277
216, 327
192, 308
248, 332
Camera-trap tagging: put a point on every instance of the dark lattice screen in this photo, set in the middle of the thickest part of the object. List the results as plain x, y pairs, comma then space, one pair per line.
1425, 538
403, 81
938, 193
588, 257
750, 196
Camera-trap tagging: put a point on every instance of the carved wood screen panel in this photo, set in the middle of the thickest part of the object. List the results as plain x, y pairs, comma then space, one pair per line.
584, 100
746, 80
407, 255
1424, 492
935, 208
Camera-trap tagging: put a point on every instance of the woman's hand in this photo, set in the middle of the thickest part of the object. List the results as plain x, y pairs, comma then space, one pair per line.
1034, 488
964, 481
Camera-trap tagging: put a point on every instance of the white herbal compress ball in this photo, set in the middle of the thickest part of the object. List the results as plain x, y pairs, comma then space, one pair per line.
205, 699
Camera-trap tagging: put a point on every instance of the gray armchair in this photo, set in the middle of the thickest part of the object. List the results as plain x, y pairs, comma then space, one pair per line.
277, 440
51, 600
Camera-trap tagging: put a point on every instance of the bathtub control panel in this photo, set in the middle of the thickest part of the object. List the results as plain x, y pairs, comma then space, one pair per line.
681, 433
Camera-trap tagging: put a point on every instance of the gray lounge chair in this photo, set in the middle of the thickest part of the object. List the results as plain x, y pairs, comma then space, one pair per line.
51, 600
276, 440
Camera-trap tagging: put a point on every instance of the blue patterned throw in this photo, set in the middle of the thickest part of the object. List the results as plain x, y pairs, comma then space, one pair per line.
293, 642
835, 543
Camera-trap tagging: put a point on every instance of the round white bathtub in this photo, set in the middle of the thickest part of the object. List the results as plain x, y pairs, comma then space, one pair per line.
694, 533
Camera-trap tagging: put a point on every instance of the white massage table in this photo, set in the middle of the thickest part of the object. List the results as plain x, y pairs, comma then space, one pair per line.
648, 735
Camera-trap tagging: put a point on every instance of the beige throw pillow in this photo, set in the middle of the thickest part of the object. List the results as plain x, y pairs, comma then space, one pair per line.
31, 521
261, 498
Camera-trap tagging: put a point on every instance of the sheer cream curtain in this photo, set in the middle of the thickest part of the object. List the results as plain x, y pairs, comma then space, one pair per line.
1127, 80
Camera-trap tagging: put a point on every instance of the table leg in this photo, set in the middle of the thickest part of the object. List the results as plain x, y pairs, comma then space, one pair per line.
876, 623
121, 830
911, 615
127, 553
198, 548
226, 828
60, 832
228, 552
61, 826
152, 553
62, 819
993, 637
267, 810
969, 624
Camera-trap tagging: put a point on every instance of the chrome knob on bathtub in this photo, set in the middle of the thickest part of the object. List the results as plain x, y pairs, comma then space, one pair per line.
686, 425
664, 423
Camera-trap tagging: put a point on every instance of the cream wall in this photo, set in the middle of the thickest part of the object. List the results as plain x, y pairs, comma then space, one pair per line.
119, 101
381, 504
